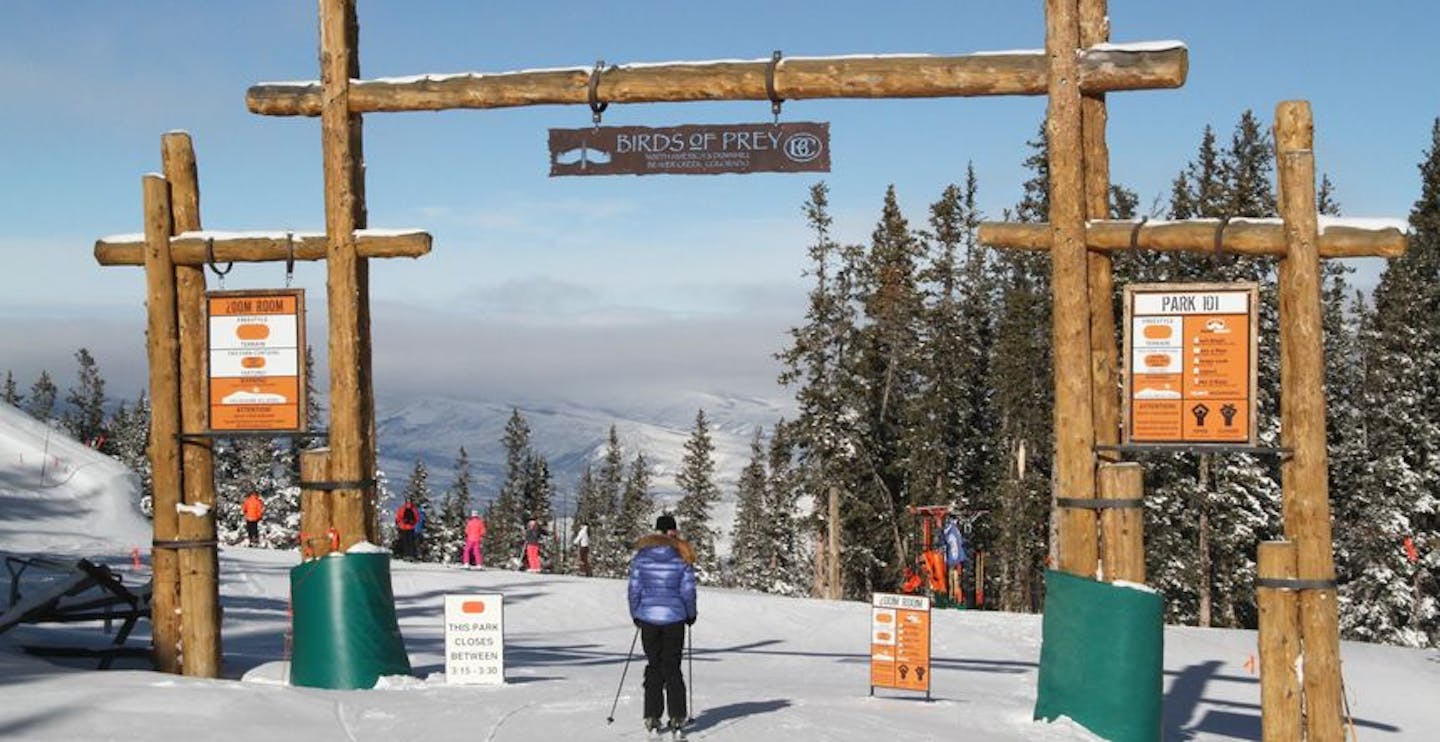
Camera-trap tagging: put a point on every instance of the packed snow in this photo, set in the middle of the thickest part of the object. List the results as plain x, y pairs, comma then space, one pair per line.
763, 668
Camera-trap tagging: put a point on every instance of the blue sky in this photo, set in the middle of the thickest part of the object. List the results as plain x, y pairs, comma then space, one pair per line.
707, 269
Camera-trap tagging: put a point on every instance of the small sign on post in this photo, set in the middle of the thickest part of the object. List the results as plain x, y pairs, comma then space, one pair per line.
1190, 360
475, 639
791, 147
257, 370
900, 642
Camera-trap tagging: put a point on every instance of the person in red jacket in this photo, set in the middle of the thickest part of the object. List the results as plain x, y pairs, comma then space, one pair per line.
253, 508
474, 541
406, 517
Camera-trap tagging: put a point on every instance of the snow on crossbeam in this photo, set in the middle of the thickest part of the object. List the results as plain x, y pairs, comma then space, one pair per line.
1109, 67
194, 248
1339, 238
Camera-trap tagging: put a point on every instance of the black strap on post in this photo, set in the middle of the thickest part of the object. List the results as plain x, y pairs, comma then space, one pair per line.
1219, 235
359, 484
1135, 233
289, 258
1098, 503
597, 106
185, 544
775, 99
210, 261
1292, 583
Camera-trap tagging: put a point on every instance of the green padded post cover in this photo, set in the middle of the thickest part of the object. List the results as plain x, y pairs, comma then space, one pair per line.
345, 632
1101, 657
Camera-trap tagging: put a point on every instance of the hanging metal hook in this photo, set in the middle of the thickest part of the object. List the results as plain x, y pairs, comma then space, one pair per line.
775, 99
597, 106
210, 261
289, 258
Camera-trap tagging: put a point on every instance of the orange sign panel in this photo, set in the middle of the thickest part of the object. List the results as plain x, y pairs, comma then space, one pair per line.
900, 642
256, 367
1190, 360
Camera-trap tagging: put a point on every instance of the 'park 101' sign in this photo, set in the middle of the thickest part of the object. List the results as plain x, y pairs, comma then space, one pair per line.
257, 372
691, 150
1190, 352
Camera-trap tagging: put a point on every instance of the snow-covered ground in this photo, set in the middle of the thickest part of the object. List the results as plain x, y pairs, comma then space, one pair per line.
763, 667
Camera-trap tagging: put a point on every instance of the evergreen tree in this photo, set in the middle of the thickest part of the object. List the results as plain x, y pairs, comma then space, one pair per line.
84, 417
747, 543
609, 536
696, 481
784, 546
633, 519
129, 441
537, 496
42, 398
8, 393
446, 533
587, 511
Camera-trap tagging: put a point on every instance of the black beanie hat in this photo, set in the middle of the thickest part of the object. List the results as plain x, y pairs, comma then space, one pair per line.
666, 523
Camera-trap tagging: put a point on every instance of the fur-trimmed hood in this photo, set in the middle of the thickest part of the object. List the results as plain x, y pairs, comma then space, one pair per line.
680, 545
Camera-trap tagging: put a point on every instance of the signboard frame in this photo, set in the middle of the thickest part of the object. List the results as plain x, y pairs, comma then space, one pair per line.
898, 604
691, 149
458, 605
1251, 290
300, 357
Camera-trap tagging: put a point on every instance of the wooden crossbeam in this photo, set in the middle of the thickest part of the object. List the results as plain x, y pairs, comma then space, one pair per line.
194, 248
1252, 237
1103, 67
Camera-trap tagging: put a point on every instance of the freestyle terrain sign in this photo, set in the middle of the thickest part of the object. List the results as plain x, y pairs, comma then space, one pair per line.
691, 149
1190, 353
900, 642
256, 379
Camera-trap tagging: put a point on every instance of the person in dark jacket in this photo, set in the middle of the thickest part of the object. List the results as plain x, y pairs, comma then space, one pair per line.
662, 604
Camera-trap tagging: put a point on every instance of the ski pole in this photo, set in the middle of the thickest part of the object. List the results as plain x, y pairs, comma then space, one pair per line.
611, 718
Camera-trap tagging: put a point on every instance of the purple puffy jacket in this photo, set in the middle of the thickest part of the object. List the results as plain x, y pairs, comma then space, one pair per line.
662, 580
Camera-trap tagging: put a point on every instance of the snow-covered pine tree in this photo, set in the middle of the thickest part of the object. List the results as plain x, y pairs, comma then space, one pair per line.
587, 513
633, 519
9, 393
42, 398
128, 444
1389, 598
785, 551
747, 536
505, 518
696, 480
84, 416
537, 500
446, 533
609, 544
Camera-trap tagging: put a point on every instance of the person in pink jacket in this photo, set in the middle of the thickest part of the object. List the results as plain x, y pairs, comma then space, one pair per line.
474, 554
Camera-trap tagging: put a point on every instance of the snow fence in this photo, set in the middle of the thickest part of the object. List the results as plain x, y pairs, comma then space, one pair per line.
346, 635
1100, 657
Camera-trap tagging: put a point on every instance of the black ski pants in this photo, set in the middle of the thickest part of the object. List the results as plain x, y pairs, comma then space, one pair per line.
664, 644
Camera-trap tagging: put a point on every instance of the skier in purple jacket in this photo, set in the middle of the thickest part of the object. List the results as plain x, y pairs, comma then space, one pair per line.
662, 604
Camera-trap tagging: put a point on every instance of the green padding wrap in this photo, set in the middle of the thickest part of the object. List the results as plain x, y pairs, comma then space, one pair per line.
345, 632
1100, 663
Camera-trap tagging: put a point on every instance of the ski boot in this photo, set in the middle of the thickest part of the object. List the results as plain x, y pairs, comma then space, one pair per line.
677, 728
653, 726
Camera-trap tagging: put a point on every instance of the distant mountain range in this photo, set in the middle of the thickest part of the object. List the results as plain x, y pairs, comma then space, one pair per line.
432, 429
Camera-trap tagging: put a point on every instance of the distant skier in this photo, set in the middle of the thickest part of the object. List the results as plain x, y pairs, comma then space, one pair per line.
406, 518
662, 604
582, 540
253, 508
474, 554
532, 546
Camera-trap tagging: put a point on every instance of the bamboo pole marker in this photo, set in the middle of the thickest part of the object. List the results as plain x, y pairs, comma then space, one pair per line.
1279, 644
1304, 476
1074, 431
1108, 68
314, 503
1122, 528
163, 351
198, 563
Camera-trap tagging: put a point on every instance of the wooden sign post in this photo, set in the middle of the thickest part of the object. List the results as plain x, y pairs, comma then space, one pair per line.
1297, 241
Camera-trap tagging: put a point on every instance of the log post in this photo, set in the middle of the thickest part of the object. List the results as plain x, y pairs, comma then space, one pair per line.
362, 282
347, 425
163, 351
1304, 488
199, 565
1123, 527
314, 504
1105, 392
1252, 237
1279, 644
1074, 431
